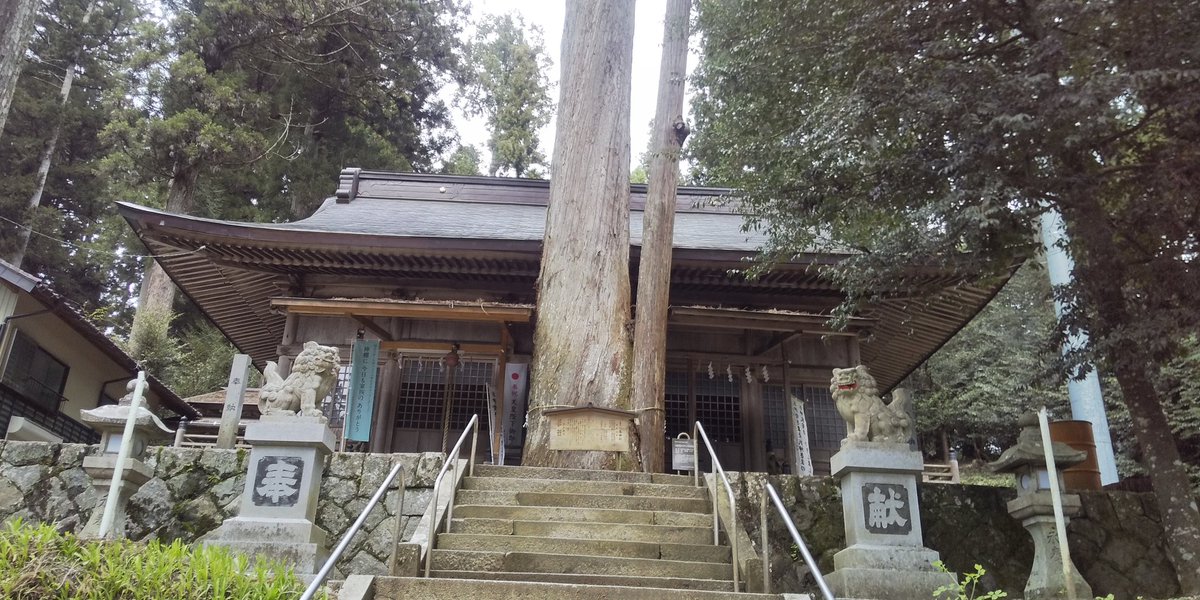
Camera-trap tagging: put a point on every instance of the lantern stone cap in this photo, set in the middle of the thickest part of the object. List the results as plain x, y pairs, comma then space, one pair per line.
1029, 451
112, 417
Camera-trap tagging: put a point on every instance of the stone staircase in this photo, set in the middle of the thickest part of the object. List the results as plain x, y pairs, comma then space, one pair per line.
568, 534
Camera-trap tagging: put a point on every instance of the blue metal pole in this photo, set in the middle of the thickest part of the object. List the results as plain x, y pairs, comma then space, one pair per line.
1087, 403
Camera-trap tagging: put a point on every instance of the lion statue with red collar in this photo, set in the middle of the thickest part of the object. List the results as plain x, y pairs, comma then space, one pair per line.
313, 375
868, 419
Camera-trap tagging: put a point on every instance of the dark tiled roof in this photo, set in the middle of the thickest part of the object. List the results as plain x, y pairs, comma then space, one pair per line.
485, 233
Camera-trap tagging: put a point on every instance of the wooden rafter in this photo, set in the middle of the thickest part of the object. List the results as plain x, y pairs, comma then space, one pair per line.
441, 311
724, 318
373, 327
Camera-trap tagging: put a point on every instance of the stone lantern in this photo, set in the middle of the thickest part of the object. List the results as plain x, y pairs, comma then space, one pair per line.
1034, 508
110, 421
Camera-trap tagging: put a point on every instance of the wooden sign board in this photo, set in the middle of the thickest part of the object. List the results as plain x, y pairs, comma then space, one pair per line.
589, 428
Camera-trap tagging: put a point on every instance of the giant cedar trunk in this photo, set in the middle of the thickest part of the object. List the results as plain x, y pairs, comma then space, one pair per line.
16, 21
582, 342
1102, 276
157, 293
658, 223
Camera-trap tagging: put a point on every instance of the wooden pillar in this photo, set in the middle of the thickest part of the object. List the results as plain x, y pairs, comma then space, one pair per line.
290, 324
691, 392
787, 410
385, 399
498, 386
854, 351
753, 420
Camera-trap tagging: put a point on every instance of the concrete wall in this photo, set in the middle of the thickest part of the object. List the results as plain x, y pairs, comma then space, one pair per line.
1117, 543
194, 490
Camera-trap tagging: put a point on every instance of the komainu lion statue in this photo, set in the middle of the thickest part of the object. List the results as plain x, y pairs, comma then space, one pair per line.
312, 377
867, 418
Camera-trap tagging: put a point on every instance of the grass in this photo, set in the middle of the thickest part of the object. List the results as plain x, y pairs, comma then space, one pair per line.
39, 563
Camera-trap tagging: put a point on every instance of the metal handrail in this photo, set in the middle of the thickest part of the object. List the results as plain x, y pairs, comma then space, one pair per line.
697, 435
769, 490
451, 458
341, 547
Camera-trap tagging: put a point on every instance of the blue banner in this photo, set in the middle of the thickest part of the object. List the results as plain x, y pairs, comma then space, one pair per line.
360, 401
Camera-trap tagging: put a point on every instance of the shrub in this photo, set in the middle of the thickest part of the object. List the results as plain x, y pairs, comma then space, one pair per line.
38, 562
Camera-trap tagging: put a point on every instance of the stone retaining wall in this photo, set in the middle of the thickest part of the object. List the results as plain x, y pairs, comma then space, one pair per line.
193, 490
1117, 543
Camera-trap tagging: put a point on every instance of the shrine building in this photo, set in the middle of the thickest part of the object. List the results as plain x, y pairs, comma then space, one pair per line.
429, 263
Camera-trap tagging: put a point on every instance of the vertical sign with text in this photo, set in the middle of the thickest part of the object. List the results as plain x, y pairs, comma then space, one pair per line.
516, 378
360, 401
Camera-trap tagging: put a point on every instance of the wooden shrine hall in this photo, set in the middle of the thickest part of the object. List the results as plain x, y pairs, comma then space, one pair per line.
430, 263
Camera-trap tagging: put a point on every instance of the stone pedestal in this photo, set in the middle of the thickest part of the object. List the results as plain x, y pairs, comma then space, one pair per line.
279, 504
1036, 513
885, 558
100, 469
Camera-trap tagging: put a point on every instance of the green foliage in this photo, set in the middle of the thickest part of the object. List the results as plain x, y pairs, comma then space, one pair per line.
969, 475
994, 370
232, 110
153, 346
251, 108
465, 160
510, 87
38, 562
204, 362
965, 590
936, 134
911, 135
74, 215
1180, 382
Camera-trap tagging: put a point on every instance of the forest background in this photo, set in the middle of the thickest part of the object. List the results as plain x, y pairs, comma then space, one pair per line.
246, 111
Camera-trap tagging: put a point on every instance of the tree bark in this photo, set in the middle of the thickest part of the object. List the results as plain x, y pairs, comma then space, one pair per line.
157, 293
16, 22
582, 341
1102, 277
43, 172
658, 224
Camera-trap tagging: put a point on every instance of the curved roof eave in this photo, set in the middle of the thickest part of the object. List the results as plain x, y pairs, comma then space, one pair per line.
144, 219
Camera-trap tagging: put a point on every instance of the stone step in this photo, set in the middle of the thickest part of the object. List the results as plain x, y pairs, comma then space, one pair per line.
667, 534
454, 585
581, 475
583, 547
575, 486
534, 562
511, 498
589, 515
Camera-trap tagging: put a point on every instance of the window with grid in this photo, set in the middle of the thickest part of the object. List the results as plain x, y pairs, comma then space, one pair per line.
776, 417
719, 407
423, 392
825, 426
471, 382
35, 374
676, 403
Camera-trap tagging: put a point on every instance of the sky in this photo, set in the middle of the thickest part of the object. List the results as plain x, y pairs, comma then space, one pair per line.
549, 15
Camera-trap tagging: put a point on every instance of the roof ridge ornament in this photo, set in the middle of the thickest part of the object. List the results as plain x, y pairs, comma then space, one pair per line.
347, 189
